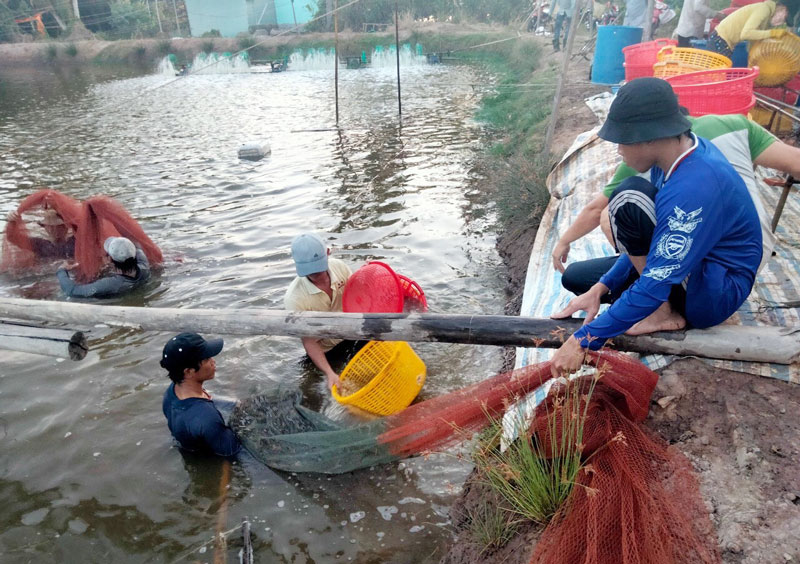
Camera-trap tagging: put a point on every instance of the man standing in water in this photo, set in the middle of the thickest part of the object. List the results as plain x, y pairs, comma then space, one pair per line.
319, 286
191, 415
692, 234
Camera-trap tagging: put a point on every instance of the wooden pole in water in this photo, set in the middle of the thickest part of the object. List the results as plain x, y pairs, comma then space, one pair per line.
573, 29
221, 543
47, 341
247, 543
756, 344
397, 52
336, 58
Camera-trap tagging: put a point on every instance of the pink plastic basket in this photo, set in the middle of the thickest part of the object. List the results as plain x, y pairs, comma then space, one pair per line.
716, 91
640, 58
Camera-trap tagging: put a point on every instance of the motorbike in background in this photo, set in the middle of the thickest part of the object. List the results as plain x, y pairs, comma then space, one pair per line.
540, 18
662, 14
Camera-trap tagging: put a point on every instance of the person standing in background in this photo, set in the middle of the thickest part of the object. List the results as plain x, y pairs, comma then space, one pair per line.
564, 11
692, 21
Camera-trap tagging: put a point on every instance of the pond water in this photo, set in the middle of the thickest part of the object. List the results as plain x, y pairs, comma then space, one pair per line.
88, 470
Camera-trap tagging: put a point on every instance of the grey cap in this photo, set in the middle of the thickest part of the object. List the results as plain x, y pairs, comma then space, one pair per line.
119, 249
310, 254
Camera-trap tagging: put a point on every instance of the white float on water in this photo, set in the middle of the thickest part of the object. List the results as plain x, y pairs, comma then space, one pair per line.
254, 151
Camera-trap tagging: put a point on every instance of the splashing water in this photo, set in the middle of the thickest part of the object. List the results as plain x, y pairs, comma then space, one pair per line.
220, 63
387, 57
209, 63
312, 59
323, 59
166, 67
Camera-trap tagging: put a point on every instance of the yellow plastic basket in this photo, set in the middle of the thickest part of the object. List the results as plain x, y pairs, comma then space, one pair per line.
699, 58
778, 59
667, 69
389, 375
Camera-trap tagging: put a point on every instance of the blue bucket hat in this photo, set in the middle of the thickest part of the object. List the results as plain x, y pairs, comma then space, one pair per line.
310, 254
645, 109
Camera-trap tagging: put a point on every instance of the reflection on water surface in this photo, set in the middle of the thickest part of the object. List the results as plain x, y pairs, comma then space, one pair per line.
88, 471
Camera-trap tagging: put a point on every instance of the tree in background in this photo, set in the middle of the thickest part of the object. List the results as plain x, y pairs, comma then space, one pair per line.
382, 11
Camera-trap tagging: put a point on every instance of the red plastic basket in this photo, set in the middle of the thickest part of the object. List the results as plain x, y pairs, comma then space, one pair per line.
639, 58
373, 288
716, 91
413, 295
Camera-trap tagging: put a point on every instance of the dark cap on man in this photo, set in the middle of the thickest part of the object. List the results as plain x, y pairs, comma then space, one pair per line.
645, 109
187, 350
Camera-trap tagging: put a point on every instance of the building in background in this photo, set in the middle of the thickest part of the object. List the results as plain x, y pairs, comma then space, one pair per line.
231, 17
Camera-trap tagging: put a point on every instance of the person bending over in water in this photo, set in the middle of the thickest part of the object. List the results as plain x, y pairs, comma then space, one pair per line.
131, 271
192, 417
319, 286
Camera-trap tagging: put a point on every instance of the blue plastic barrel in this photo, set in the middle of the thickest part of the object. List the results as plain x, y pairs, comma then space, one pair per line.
739, 57
607, 66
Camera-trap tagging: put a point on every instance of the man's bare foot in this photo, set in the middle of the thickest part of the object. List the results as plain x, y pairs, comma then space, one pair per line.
662, 319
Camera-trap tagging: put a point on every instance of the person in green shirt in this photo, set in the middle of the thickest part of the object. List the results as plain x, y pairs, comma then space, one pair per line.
742, 141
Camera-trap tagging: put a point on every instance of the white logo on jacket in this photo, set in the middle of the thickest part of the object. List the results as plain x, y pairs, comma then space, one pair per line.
662, 272
673, 246
685, 222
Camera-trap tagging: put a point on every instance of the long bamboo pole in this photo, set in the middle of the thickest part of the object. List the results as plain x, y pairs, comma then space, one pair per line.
573, 29
758, 344
336, 58
397, 53
47, 341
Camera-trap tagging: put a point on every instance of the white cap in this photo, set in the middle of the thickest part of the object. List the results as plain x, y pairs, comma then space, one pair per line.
119, 249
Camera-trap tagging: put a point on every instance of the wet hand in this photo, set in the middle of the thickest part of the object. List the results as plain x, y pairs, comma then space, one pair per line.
333, 380
560, 253
568, 358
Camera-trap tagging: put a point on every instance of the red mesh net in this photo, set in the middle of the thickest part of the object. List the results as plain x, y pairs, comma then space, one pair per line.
637, 500
90, 223
373, 288
103, 217
442, 421
18, 241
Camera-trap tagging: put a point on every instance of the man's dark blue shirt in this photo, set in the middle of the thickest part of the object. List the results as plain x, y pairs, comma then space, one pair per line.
198, 425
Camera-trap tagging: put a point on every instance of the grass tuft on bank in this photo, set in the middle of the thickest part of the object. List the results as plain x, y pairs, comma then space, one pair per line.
536, 473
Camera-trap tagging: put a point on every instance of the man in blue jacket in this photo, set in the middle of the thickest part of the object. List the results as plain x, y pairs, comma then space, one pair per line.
191, 415
691, 233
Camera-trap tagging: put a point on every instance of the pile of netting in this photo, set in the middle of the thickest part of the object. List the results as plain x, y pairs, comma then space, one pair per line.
89, 223
637, 500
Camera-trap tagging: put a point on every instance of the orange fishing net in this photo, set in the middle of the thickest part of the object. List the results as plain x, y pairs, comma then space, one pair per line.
90, 223
637, 501
103, 217
18, 242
